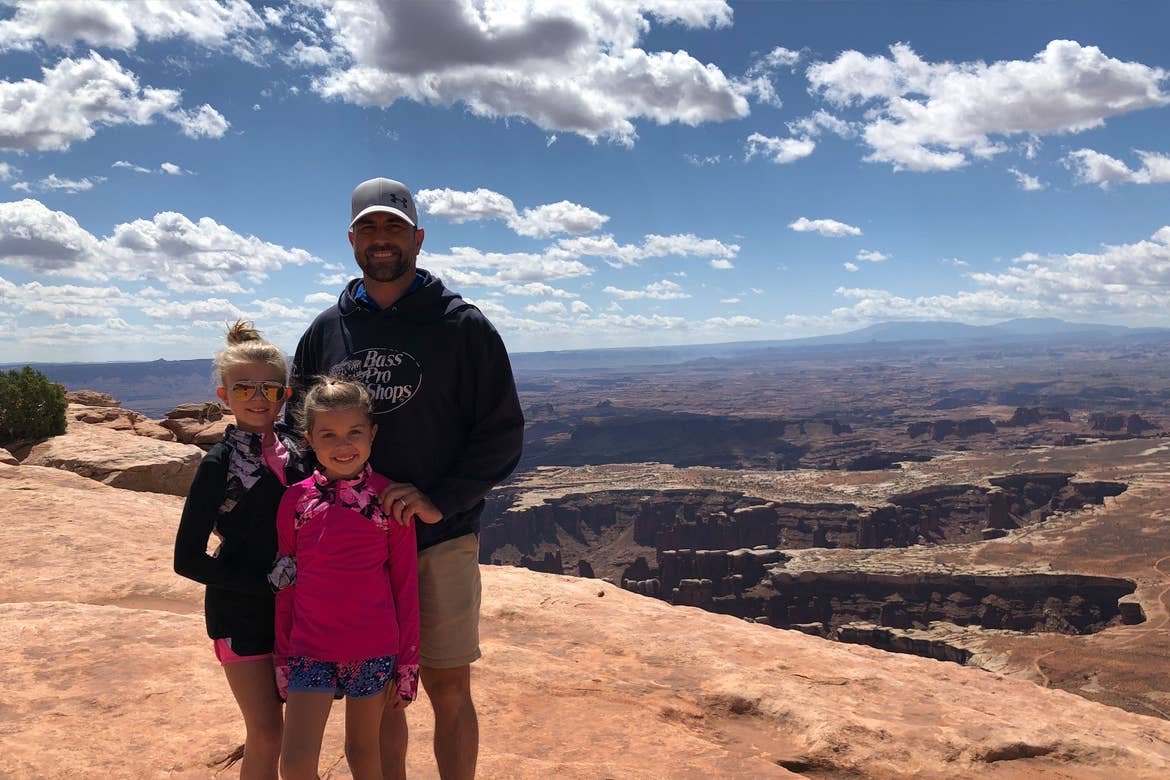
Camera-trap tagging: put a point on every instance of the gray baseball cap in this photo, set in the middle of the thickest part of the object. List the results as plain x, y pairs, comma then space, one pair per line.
383, 195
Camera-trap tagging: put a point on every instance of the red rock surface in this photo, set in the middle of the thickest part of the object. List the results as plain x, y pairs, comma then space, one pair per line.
109, 674
114, 458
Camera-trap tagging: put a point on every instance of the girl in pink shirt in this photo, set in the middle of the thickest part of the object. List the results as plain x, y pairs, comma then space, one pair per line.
347, 605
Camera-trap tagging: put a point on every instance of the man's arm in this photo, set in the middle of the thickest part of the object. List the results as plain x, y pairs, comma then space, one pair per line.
496, 435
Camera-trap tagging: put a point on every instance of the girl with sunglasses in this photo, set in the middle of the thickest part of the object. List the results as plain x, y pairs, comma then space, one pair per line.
234, 497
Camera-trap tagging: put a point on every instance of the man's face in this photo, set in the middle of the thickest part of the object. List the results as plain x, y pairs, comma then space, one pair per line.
385, 246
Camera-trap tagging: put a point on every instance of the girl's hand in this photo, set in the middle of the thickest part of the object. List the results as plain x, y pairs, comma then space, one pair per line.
401, 501
397, 702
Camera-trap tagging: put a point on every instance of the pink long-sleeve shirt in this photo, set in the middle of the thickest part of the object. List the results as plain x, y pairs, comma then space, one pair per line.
356, 590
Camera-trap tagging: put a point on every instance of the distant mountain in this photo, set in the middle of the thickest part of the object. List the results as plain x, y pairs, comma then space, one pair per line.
156, 387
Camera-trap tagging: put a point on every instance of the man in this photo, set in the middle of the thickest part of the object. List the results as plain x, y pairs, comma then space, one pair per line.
449, 429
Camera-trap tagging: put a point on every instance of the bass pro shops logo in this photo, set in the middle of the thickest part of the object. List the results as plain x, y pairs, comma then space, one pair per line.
391, 376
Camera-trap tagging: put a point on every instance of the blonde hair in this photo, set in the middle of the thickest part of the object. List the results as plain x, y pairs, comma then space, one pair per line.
329, 395
246, 345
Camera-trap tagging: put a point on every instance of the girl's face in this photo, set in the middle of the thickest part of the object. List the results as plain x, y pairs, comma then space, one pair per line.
342, 439
255, 392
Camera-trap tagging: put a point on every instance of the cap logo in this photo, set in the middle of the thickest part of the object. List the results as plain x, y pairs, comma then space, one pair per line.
405, 202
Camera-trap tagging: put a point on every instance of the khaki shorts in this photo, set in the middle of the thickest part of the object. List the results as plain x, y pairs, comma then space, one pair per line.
448, 599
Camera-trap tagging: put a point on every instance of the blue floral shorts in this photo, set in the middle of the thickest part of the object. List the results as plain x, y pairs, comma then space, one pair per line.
355, 679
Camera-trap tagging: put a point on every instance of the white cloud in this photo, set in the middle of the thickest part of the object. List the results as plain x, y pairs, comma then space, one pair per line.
653, 246
664, 290
540, 222
701, 162
729, 301
778, 150
546, 307
738, 321
826, 227
458, 206
118, 24
871, 256
820, 120
553, 218
130, 166
924, 116
321, 298
1124, 283
572, 67
65, 301
171, 169
7, 171
466, 266
76, 96
204, 122
169, 249
852, 267
217, 309
1091, 167
1026, 181
580, 307
331, 280
720, 264
956, 262
779, 57
69, 186
537, 288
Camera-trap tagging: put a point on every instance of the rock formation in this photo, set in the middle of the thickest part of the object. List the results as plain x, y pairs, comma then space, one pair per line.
569, 665
118, 459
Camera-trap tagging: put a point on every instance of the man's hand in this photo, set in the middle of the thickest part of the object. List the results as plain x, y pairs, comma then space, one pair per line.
401, 501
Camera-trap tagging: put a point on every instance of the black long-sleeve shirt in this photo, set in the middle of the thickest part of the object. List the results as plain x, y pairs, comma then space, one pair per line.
239, 602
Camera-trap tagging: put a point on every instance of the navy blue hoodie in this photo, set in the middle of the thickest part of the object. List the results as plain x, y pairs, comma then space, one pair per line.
449, 421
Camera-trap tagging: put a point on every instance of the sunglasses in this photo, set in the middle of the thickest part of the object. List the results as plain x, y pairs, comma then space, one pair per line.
272, 391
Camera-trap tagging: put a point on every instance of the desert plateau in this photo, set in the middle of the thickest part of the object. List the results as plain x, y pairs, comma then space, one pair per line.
892, 560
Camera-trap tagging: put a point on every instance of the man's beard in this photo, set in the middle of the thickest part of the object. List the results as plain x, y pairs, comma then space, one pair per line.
384, 270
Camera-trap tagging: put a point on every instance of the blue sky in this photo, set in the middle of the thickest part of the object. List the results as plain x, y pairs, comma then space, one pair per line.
590, 173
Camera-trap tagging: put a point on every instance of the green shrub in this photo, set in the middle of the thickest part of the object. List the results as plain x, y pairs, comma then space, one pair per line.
31, 407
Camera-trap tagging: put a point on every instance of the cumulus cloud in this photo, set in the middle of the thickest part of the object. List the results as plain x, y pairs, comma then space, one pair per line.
539, 222
924, 116
54, 183
77, 96
7, 171
719, 264
653, 246
1091, 167
1125, 282
580, 307
729, 301
170, 249
119, 24
321, 298
869, 256
852, 267
826, 227
67, 301
664, 290
467, 266
546, 307
778, 150
572, 67
1026, 181
537, 288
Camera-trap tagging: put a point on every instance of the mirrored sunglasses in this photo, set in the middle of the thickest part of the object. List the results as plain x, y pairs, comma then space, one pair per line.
246, 391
